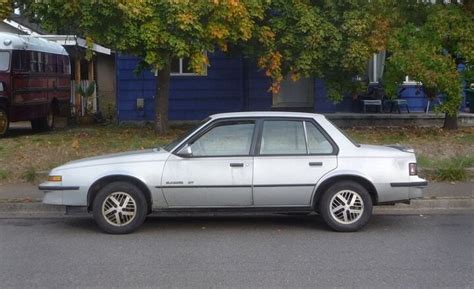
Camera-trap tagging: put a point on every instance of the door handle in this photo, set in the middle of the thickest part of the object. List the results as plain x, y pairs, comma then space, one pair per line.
315, 164
237, 165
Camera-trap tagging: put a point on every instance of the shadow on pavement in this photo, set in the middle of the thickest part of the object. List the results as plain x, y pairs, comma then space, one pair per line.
234, 223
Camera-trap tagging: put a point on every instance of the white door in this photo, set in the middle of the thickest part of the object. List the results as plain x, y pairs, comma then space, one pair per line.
219, 173
293, 156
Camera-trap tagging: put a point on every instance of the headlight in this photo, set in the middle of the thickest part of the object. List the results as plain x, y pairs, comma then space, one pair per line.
55, 178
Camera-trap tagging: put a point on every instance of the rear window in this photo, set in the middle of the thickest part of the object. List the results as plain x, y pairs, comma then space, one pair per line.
4, 60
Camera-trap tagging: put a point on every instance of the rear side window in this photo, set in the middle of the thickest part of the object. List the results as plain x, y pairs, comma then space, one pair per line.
317, 142
282, 137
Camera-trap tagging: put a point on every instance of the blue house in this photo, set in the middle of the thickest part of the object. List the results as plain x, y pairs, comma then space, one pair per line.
230, 84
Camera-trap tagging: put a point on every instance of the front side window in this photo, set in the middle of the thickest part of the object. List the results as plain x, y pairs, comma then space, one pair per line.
282, 137
4, 61
225, 139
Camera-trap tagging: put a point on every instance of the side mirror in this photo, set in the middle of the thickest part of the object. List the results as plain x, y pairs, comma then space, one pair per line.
2, 86
185, 152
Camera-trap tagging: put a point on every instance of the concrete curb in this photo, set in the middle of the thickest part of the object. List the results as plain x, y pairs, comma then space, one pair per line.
440, 205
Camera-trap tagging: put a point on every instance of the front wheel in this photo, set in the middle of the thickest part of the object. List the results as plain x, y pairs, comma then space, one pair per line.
119, 208
346, 206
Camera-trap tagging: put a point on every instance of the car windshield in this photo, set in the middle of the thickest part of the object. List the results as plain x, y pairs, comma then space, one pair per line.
4, 60
175, 142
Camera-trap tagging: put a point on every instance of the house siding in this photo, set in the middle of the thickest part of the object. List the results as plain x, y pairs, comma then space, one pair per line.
227, 87
231, 84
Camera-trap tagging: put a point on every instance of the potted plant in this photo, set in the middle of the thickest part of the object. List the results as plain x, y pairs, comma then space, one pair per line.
87, 94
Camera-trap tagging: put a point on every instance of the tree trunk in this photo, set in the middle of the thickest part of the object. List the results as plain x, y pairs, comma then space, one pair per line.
161, 102
450, 122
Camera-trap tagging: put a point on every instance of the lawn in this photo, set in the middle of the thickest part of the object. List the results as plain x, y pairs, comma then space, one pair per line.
27, 157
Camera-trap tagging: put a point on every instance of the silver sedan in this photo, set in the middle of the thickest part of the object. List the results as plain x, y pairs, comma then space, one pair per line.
276, 162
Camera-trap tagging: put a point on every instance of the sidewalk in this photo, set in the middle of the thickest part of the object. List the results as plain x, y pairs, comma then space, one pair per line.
25, 199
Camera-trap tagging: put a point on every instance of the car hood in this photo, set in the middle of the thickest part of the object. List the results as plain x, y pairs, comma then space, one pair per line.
125, 157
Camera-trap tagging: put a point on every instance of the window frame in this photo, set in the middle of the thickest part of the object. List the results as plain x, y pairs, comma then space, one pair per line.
335, 148
256, 137
181, 69
305, 138
214, 124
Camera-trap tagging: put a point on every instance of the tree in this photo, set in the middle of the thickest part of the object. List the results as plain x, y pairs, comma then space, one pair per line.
326, 39
335, 39
5, 9
428, 49
155, 31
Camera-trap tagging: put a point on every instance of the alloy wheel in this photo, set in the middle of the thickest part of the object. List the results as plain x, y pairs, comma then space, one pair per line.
119, 209
346, 207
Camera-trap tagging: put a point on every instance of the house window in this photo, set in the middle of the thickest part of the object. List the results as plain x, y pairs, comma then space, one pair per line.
410, 81
375, 67
180, 66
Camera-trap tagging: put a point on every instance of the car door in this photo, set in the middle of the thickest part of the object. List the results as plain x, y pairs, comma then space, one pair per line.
218, 172
291, 156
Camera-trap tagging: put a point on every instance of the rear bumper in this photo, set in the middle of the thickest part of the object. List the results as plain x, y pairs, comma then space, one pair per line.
422, 184
401, 192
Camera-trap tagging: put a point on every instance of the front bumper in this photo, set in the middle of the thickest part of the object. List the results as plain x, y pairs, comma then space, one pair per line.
63, 195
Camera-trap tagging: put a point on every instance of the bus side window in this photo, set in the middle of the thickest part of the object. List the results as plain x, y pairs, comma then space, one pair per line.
16, 60
51, 63
60, 65
20, 60
34, 61
25, 60
41, 62
67, 65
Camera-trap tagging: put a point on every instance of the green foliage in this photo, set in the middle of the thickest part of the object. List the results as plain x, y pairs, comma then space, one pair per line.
30, 175
427, 51
156, 31
3, 174
329, 39
86, 92
5, 9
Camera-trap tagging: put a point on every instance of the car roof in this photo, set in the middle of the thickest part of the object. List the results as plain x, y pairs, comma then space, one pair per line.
267, 114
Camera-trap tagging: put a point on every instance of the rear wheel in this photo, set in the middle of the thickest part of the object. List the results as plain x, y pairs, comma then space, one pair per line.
4, 122
346, 206
45, 123
119, 208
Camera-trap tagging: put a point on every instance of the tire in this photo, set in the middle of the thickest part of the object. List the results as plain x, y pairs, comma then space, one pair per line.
113, 196
45, 123
351, 198
4, 122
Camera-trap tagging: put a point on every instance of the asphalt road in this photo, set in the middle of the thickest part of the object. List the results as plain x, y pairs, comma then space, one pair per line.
239, 252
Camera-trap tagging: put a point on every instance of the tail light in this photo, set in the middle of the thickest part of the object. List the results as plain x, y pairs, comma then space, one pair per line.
412, 169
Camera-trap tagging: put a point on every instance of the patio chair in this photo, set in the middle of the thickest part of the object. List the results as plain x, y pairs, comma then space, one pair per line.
375, 97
